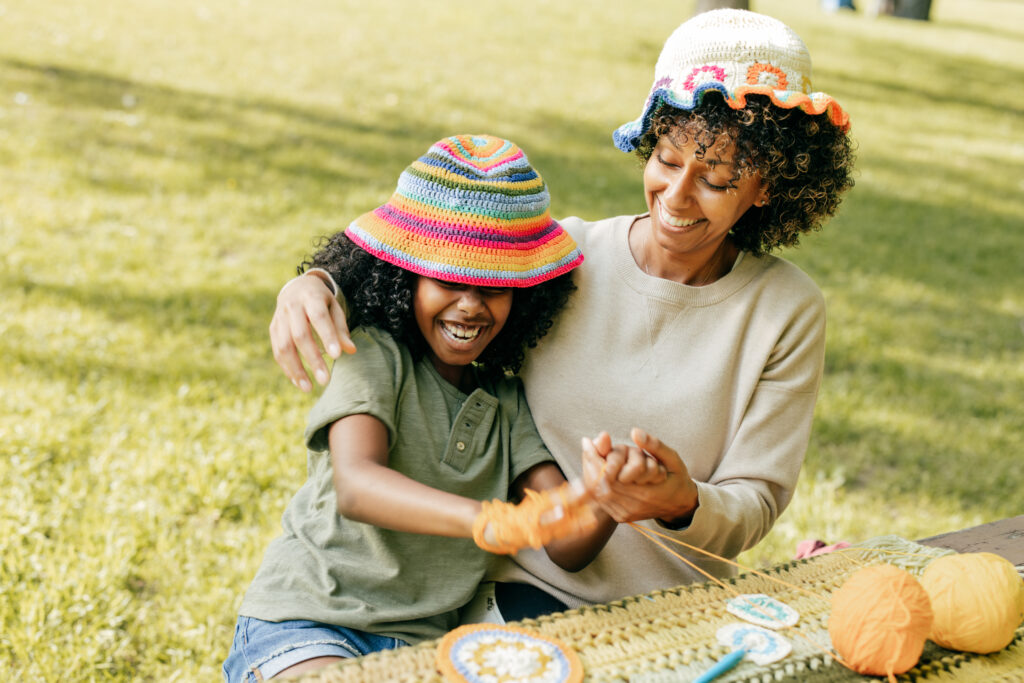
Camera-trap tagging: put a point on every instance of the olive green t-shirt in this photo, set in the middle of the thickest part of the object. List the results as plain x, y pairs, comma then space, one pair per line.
333, 570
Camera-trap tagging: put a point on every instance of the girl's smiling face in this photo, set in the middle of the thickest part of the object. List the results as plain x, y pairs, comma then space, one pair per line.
458, 321
695, 199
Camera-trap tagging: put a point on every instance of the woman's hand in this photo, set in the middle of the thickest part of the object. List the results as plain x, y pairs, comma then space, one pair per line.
648, 481
303, 305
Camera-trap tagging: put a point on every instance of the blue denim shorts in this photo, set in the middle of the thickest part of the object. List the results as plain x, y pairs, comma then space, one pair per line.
263, 649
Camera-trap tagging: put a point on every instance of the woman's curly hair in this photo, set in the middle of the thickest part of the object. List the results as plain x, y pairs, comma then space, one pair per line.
380, 295
805, 162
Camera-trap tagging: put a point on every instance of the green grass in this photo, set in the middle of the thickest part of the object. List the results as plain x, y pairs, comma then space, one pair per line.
163, 167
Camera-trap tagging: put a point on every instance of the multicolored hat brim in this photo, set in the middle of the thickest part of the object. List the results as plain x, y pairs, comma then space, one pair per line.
481, 271
471, 210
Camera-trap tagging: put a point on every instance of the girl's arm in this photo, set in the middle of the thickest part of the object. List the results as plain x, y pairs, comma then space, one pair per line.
369, 491
575, 552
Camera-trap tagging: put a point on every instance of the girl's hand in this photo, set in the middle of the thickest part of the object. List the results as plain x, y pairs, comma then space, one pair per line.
579, 533
303, 305
543, 518
630, 488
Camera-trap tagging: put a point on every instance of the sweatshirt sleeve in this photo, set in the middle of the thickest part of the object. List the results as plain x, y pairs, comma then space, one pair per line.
757, 475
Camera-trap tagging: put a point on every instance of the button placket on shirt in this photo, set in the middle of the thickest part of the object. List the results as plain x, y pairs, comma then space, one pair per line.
460, 450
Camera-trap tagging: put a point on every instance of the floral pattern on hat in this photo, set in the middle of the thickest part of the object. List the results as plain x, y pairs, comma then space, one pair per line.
737, 53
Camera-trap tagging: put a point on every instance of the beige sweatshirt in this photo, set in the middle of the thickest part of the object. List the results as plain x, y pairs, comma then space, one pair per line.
726, 374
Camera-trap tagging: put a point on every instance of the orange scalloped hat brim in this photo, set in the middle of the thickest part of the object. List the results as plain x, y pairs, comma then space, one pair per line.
814, 104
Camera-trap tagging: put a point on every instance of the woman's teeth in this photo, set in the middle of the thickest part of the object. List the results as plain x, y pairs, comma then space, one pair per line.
460, 332
675, 222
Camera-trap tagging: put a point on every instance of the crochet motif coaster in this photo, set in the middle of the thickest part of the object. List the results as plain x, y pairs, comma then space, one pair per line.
488, 653
669, 636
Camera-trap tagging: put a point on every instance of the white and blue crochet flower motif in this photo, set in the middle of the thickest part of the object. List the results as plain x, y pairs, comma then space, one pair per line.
763, 610
496, 656
761, 646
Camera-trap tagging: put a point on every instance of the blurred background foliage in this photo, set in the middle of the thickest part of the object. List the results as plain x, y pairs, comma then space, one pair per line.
164, 166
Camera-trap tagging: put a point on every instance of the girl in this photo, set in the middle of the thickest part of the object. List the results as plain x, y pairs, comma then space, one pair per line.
448, 283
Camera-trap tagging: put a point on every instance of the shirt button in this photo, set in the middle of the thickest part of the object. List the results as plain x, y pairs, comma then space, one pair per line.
461, 446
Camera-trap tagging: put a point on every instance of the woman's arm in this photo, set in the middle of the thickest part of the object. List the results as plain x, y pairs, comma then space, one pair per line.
369, 491
304, 305
575, 552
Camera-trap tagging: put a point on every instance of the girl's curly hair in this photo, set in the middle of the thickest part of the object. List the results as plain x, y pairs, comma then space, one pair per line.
380, 295
805, 162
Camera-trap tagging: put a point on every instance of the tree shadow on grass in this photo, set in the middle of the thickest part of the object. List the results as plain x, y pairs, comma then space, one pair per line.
215, 137
212, 317
983, 29
917, 79
967, 255
263, 145
891, 463
920, 327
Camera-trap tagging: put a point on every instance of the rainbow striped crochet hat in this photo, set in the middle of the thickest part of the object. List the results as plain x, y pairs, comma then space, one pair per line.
737, 53
470, 210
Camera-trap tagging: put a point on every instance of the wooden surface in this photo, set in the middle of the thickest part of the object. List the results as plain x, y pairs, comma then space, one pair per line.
1005, 538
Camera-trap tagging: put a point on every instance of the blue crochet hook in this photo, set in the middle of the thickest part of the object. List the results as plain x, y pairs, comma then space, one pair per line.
724, 664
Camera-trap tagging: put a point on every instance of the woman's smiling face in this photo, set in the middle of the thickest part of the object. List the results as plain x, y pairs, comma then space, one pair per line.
458, 321
694, 198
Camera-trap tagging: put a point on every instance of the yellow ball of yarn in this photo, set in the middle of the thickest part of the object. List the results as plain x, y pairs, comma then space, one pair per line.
978, 601
880, 619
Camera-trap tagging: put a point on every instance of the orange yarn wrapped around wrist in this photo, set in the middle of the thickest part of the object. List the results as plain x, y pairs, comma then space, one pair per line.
540, 518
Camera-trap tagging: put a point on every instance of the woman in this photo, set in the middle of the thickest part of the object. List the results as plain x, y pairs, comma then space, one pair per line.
683, 325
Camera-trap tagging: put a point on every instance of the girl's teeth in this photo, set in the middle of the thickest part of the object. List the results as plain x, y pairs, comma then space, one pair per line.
461, 332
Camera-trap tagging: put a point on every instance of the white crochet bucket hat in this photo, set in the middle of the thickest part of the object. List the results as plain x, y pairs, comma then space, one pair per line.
736, 53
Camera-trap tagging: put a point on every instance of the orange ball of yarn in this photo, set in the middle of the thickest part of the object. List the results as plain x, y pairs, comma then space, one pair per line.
978, 601
880, 619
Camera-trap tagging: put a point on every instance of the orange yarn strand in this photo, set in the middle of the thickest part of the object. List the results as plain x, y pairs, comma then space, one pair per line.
646, 532
721, 559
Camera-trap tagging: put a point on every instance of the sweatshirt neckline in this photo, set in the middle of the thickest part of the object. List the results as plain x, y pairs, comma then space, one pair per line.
669, 290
